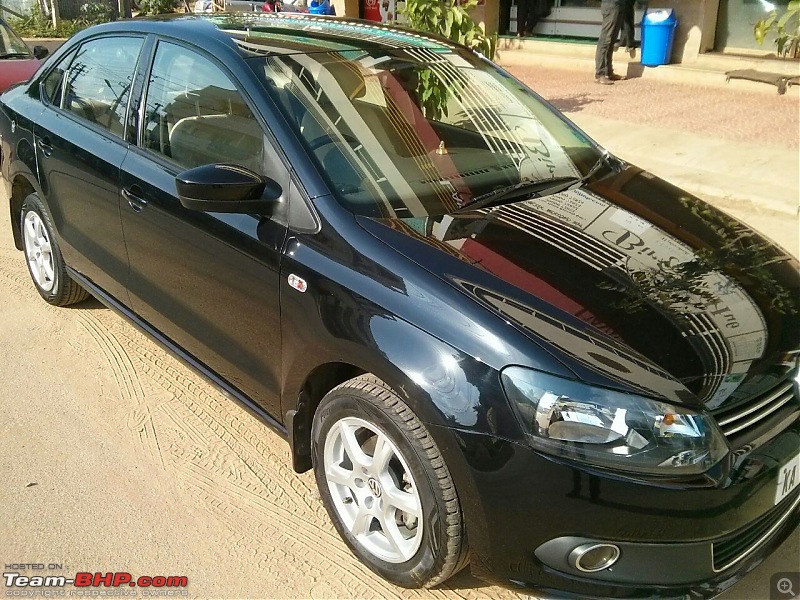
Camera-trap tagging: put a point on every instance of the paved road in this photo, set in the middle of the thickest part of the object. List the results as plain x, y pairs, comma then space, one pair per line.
753, 118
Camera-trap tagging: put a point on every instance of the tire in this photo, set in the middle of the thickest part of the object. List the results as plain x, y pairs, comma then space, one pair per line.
43, 256
420, 546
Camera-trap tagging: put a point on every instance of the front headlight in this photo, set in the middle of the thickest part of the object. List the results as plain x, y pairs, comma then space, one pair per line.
611, 429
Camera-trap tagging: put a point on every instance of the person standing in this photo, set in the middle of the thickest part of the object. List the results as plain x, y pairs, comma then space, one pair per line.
526, 16
529, 13
627, 34
609, 31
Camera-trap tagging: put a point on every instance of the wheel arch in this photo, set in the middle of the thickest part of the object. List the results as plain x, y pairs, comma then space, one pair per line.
321, 380
21, 187
442, 385
433, 406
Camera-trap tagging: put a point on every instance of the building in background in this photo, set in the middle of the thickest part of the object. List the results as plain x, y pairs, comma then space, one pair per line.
705, 25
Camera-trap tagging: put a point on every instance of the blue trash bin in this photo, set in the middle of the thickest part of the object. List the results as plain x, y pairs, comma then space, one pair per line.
658, 33
321, 7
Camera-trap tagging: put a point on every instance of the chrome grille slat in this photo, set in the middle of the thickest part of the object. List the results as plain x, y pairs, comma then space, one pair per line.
758, 417
751, 409
735, 420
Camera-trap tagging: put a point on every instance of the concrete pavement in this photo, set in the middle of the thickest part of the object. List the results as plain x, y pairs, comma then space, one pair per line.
737, 149
708, 69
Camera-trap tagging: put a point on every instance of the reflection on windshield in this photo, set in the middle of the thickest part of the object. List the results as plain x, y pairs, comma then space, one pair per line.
417, 132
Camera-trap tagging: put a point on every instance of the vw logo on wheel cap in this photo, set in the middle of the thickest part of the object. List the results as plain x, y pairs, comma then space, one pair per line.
374, 487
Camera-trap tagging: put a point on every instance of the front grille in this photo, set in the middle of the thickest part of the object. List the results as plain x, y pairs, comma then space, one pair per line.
740, 419
736, 547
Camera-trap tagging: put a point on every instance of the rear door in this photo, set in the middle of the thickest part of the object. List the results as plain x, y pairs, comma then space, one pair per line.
208, 281
80, 145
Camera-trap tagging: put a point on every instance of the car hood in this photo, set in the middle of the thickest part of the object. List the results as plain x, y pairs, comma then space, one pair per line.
15, 70
630, 281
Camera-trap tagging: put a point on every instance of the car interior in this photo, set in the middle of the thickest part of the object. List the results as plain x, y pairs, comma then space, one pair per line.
201, 122
381, 119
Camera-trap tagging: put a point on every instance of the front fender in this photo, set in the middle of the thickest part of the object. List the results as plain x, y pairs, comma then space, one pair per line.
450, 391
356, 305
442, 385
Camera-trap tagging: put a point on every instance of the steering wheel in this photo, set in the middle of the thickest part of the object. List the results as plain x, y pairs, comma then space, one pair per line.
328, 138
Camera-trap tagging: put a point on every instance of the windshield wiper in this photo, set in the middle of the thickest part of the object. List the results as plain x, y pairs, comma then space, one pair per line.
13, 54
530, 189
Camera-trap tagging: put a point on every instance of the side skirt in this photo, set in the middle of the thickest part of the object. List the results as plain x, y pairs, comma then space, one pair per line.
181, 354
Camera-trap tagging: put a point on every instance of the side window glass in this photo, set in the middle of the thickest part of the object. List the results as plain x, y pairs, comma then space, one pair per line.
195, 116
52, 84
99, 80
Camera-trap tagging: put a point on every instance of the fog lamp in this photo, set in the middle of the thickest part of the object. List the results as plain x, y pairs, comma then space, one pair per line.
590, 558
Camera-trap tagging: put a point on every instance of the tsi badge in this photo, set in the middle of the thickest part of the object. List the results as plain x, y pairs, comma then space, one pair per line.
298, 283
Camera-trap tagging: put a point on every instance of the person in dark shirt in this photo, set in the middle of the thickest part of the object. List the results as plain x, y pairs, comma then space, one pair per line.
609, 31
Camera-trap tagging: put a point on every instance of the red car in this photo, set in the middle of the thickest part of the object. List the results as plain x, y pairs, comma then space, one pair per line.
17, 62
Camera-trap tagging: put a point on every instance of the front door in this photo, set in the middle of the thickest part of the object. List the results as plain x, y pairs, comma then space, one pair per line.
208, 281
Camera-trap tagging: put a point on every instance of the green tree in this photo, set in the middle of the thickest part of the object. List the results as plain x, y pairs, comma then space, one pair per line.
156, 7
786, 30
450, 19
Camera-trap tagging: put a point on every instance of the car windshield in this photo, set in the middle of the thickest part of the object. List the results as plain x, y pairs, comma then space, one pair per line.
417, 132
10, 43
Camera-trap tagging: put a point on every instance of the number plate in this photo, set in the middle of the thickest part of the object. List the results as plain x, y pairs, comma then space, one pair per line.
788, 479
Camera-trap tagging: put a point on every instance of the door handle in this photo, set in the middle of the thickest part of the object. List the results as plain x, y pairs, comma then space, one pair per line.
134, 198
45, 146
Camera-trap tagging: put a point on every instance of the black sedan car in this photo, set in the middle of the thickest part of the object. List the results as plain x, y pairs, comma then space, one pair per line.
495, 343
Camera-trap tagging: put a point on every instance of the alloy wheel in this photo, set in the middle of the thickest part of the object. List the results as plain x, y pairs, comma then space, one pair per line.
39, 251
373, 490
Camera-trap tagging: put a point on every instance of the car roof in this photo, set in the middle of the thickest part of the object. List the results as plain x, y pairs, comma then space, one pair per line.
284, 33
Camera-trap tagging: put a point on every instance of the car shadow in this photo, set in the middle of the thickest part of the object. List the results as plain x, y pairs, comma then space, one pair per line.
464, 580
91, 303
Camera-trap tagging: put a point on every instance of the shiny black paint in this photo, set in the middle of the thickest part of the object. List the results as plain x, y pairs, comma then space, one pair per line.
80, 166
226, 188
188, 359
395, 308
569, 297
194, 275
382, 298
79, 169
520, 499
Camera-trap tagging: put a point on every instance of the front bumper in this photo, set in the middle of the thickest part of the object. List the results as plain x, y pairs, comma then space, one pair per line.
526, 512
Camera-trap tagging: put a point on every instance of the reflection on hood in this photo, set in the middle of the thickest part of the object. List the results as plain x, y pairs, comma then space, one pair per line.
640, 282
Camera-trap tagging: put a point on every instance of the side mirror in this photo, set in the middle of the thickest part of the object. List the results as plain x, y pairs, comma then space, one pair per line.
40, 52
227, 188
